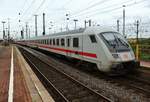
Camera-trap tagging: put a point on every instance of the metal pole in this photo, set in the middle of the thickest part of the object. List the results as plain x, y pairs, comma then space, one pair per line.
22, 35
8, 29
118, 25
67, 18
3, 29
43, 23
6, 33
124, 20
90, 23
36, 32
137, 33
26, 30
50, 30
85, 23
75, 21
137, 41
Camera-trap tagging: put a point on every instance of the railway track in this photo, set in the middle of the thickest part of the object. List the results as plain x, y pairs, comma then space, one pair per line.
135, 86
139, 84
61, 86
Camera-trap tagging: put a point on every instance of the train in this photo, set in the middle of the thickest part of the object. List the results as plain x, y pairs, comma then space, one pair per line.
101, 46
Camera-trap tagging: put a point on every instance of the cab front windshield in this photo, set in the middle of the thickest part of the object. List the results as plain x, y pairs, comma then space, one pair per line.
115, 41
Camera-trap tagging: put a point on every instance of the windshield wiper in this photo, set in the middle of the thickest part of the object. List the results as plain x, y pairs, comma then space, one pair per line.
123, 43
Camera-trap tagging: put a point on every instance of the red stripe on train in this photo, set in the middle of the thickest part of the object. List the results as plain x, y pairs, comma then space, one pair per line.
70, 51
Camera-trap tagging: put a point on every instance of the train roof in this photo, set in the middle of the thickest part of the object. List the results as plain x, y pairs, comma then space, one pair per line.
92, 30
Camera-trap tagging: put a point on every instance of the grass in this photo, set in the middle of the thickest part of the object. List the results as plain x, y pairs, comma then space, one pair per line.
145, 56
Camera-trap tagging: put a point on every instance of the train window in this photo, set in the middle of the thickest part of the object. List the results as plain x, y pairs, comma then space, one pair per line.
93, 39
57, 41
75, 42
68, 42
62, 42
53, 41
50, 41
47, 41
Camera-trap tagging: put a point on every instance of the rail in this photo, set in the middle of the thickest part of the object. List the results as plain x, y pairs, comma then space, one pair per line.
50, 73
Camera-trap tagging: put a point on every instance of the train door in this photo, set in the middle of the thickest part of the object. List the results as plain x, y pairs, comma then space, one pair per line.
78, 46
68, 46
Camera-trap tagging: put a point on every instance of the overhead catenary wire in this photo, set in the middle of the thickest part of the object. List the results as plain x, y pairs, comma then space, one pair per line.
91, 6
41, 4
113, 9
66, 3
107, 7
22, 7
33, 1
94, 13
23, 13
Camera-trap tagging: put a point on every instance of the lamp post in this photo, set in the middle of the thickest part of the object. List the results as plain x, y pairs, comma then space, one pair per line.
75, 20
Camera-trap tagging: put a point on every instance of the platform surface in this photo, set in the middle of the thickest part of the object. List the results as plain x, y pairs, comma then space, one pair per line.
145, 64
17, 81
5, 61
13, 88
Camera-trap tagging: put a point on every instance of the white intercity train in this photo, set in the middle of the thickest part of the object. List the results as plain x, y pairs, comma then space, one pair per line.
102, 46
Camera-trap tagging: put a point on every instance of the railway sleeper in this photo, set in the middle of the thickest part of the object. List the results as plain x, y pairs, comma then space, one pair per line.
73, 90
66, 87
79, 95
87, 99
62, 82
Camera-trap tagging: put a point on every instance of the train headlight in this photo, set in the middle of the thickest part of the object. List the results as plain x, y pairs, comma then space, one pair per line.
115, 55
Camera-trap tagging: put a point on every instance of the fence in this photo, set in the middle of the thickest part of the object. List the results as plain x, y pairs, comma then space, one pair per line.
142, 52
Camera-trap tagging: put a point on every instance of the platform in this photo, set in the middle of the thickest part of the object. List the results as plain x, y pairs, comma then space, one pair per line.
145, 64
18, 83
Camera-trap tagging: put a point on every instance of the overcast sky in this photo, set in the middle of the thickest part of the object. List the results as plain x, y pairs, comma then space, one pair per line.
102, 12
